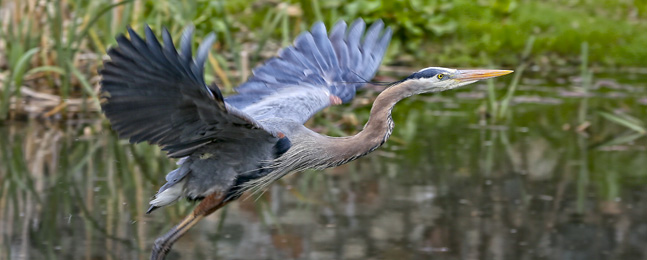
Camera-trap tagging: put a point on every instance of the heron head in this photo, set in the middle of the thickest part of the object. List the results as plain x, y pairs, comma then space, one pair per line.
436, 79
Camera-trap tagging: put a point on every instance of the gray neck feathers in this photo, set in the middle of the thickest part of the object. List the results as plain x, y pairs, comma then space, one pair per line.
311, 150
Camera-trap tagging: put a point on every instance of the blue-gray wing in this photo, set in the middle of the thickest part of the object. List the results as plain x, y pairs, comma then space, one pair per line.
320, 69
153, 93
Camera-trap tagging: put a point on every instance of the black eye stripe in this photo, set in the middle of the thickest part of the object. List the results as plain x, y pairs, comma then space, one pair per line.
427, 73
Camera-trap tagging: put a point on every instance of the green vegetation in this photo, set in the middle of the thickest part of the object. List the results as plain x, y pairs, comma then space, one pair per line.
560, 142
56, 46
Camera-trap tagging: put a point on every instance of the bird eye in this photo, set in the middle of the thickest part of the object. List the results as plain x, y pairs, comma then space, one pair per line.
440, 76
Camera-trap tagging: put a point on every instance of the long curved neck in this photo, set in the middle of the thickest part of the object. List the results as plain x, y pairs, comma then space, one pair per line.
312, 150
379, 126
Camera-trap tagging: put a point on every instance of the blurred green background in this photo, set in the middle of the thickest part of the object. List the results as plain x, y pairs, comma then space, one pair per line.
547, 163
56, 46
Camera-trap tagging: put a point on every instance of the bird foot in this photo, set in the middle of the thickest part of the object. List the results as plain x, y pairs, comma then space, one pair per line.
162, 245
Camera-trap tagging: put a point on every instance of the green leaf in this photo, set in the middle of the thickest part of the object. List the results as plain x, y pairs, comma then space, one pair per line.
626, 121
623, 139
19, 70
54, 69
86, 85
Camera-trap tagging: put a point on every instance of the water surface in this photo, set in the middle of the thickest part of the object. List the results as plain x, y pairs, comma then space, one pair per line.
450, 184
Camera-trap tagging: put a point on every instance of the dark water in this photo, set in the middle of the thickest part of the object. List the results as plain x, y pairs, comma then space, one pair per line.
450, 184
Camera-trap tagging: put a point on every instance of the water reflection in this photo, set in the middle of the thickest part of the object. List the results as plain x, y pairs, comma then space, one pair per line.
445, 187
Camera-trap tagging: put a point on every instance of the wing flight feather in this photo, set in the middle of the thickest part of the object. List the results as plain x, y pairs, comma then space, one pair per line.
311, 74
153, 93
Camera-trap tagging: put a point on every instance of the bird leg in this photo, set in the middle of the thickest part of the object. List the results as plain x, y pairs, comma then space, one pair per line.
207, 206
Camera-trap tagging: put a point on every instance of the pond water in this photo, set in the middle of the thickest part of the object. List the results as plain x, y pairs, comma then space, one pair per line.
450, 184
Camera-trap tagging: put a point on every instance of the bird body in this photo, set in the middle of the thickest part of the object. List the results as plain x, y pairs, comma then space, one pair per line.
153, 93
246, 141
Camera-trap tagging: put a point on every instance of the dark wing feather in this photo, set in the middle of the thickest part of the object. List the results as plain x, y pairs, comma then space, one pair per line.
153, 93
302, 79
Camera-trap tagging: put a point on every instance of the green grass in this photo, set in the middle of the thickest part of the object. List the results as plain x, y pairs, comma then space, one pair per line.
559, 29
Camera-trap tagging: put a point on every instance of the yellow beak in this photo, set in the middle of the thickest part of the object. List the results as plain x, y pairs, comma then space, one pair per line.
472, 75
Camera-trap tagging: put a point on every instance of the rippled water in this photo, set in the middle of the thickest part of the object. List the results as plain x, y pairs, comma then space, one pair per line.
448, 185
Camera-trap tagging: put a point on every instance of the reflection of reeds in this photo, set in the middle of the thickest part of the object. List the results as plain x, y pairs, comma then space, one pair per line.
447, 188
77, 188
93, 188
24, 189
583, 162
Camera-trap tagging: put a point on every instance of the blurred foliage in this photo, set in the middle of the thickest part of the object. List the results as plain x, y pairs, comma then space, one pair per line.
468, 33
587, 137
56, 46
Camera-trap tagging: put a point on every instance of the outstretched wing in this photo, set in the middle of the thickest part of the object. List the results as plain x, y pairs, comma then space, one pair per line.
319, 70
153, 93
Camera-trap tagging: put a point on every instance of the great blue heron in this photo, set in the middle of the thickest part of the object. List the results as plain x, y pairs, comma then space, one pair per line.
229, 145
